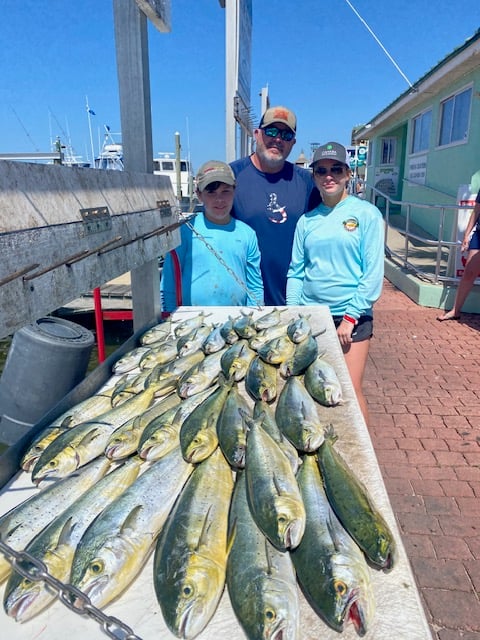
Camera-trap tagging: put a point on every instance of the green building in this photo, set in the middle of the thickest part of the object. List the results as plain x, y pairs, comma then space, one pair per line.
423, 166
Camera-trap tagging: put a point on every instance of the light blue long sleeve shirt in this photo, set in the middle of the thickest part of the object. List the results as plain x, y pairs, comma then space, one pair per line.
205, 281
337, 258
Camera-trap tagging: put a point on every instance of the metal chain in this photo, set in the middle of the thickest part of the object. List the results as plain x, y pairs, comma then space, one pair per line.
33, 569
219, 258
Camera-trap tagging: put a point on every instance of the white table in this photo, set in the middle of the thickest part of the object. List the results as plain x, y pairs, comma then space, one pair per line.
399, 613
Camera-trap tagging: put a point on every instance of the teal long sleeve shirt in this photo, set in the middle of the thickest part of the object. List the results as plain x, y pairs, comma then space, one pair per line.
337, 258
205, 281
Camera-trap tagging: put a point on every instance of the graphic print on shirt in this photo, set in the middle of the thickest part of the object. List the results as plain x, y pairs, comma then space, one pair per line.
278, 214
351, 224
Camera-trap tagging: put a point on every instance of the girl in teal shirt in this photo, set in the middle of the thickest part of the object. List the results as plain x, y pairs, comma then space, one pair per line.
337, 260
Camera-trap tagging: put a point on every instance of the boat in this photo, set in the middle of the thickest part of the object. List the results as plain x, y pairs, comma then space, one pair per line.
165, 164
110, 157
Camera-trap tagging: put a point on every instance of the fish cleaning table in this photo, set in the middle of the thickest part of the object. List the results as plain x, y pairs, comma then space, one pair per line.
398, 610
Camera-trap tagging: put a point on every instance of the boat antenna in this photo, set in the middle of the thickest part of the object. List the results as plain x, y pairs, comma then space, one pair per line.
90, 113
380, 44
189, 165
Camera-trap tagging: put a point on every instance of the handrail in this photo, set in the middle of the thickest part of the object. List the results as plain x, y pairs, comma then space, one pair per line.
436, 265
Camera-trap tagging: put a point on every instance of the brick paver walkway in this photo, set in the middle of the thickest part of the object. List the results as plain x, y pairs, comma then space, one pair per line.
422, 384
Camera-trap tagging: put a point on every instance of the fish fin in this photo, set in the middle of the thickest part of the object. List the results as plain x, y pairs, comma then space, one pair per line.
231, 536
320, 333
304, 411
8, 533
91, 435
331, 531
277, 485
206, 524
284, 369
131, 518
247, 419
222, 379
268, 557
66, 532
212, 421
330, 433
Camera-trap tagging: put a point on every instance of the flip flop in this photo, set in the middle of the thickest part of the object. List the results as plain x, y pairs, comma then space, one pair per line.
440, 319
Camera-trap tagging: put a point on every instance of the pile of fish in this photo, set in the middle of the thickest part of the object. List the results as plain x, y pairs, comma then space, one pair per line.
205, 448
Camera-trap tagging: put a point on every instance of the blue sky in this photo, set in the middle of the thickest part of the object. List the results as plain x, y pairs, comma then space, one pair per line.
315, 56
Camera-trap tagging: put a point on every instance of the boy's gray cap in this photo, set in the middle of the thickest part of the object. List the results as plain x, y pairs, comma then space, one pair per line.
214, 171
331, 151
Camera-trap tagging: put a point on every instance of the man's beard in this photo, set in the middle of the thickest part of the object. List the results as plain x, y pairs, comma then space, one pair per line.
267, 160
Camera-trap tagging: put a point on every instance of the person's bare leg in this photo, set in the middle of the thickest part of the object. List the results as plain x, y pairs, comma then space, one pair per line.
356, 355
472, 269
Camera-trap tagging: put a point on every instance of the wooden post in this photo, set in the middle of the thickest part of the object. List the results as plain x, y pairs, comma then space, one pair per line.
131, 41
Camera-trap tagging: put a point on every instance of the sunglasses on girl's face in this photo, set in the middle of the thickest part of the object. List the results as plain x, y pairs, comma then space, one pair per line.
335, 170
275, 132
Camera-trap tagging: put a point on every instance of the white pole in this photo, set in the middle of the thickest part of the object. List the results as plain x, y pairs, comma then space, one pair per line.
178, 166
90, 131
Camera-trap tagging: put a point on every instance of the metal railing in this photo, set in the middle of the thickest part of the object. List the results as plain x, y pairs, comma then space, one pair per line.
428, 256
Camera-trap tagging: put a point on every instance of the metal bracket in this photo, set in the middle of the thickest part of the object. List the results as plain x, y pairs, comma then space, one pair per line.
96, 219
165, 208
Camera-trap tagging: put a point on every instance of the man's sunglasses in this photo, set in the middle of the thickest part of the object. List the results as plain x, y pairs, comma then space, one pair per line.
335, 170
275, 132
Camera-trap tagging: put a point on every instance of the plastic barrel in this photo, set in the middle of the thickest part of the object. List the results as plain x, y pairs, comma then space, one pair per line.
46, 360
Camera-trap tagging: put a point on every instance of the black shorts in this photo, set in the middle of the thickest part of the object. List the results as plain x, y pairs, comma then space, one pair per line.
363, 330
475, 239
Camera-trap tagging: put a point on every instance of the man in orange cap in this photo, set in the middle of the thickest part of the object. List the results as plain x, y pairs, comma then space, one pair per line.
270, 196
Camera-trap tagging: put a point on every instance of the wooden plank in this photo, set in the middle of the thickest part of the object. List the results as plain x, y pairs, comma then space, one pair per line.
36, 195
51, 256
399, 613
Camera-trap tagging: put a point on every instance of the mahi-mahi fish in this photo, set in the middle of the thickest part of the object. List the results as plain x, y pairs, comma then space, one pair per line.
272, 489
19, 525
260, 578
119, 541
55, 545
331, 568
191, 554
77, 446
354, 507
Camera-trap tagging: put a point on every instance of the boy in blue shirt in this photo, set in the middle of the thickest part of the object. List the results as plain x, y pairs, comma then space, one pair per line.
205, 281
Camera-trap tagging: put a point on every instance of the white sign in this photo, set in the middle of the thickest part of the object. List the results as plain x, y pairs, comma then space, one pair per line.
417, 169
244, 71
386, 180
238, 47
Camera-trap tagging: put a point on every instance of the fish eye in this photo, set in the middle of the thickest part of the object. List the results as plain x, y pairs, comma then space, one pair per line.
340, 587
187, 590
52, 464
96, 566
270, 615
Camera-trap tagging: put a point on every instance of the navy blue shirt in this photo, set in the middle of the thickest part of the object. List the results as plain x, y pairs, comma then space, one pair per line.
271, 203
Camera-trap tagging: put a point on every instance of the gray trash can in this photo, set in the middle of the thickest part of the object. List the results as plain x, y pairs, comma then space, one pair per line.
46, 360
